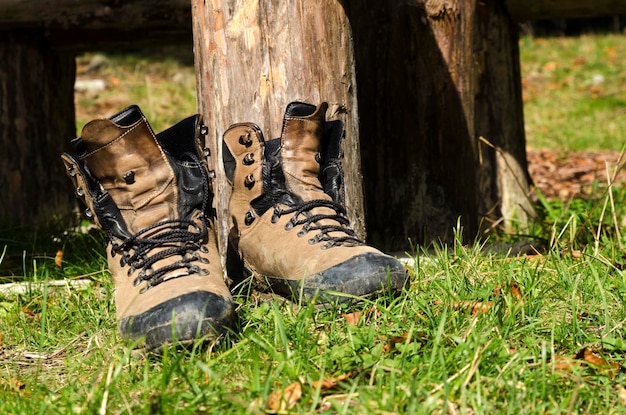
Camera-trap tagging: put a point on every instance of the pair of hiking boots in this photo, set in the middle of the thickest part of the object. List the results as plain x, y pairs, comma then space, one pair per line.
152, 195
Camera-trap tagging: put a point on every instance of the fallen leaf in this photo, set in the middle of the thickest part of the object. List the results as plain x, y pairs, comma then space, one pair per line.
58, 259
480, 307
601, 365
515, 291
28, 312
590, 358
565, 363
280, 401
576, 254
12, 384
352, 318
393, 340
329, 383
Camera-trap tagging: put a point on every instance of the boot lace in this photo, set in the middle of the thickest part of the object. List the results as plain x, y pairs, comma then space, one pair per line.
169, 238
327, 232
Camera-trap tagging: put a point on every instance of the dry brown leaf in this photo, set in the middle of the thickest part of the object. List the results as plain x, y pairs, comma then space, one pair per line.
480, 307
12, 384
352, 318
329, 383
393, 340
587, 356
601, 365
516, 292
58, 259
28, 312
565, 363
280, 401
576, 254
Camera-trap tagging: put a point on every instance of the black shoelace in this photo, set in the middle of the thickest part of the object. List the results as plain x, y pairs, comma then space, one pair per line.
302, 216
182, 238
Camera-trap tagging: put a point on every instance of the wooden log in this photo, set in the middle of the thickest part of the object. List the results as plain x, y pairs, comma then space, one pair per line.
82, 25
36, 123
94, 14
433, 78
254, 57
521, 10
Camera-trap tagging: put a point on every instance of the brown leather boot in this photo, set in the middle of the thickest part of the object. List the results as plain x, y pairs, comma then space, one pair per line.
151, 196
290, 229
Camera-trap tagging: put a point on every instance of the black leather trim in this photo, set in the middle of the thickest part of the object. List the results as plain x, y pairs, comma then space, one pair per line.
331, 172
274, 184
183, 318
360, 276
106, 210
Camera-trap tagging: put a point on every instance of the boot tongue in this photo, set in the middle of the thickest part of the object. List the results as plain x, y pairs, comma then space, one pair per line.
303, 129
129, 164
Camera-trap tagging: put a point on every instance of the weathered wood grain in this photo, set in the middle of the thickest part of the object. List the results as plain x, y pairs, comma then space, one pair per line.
254, 57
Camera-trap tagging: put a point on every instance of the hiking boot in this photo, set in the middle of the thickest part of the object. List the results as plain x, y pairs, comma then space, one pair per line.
290, 230
150, 194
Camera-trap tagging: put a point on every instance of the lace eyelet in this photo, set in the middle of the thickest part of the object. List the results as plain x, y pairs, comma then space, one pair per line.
204, 249
245, 140
313, 241
249, 181
71, 171
249, 218
80, 192
301, 233
289, 226
129, 177
248, 159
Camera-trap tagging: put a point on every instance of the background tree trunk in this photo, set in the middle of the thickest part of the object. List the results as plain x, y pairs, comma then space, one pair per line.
434, 76
254, 57
36, 122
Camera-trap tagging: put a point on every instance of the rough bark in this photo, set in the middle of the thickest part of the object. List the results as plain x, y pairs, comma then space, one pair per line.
433, 77
80, 25
564, 9
254, 57
36, 122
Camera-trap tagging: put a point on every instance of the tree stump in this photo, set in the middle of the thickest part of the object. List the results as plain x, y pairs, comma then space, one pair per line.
36, 123
442, 132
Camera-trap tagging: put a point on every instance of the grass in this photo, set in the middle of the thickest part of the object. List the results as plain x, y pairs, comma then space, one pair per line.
476, 332
574, 92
